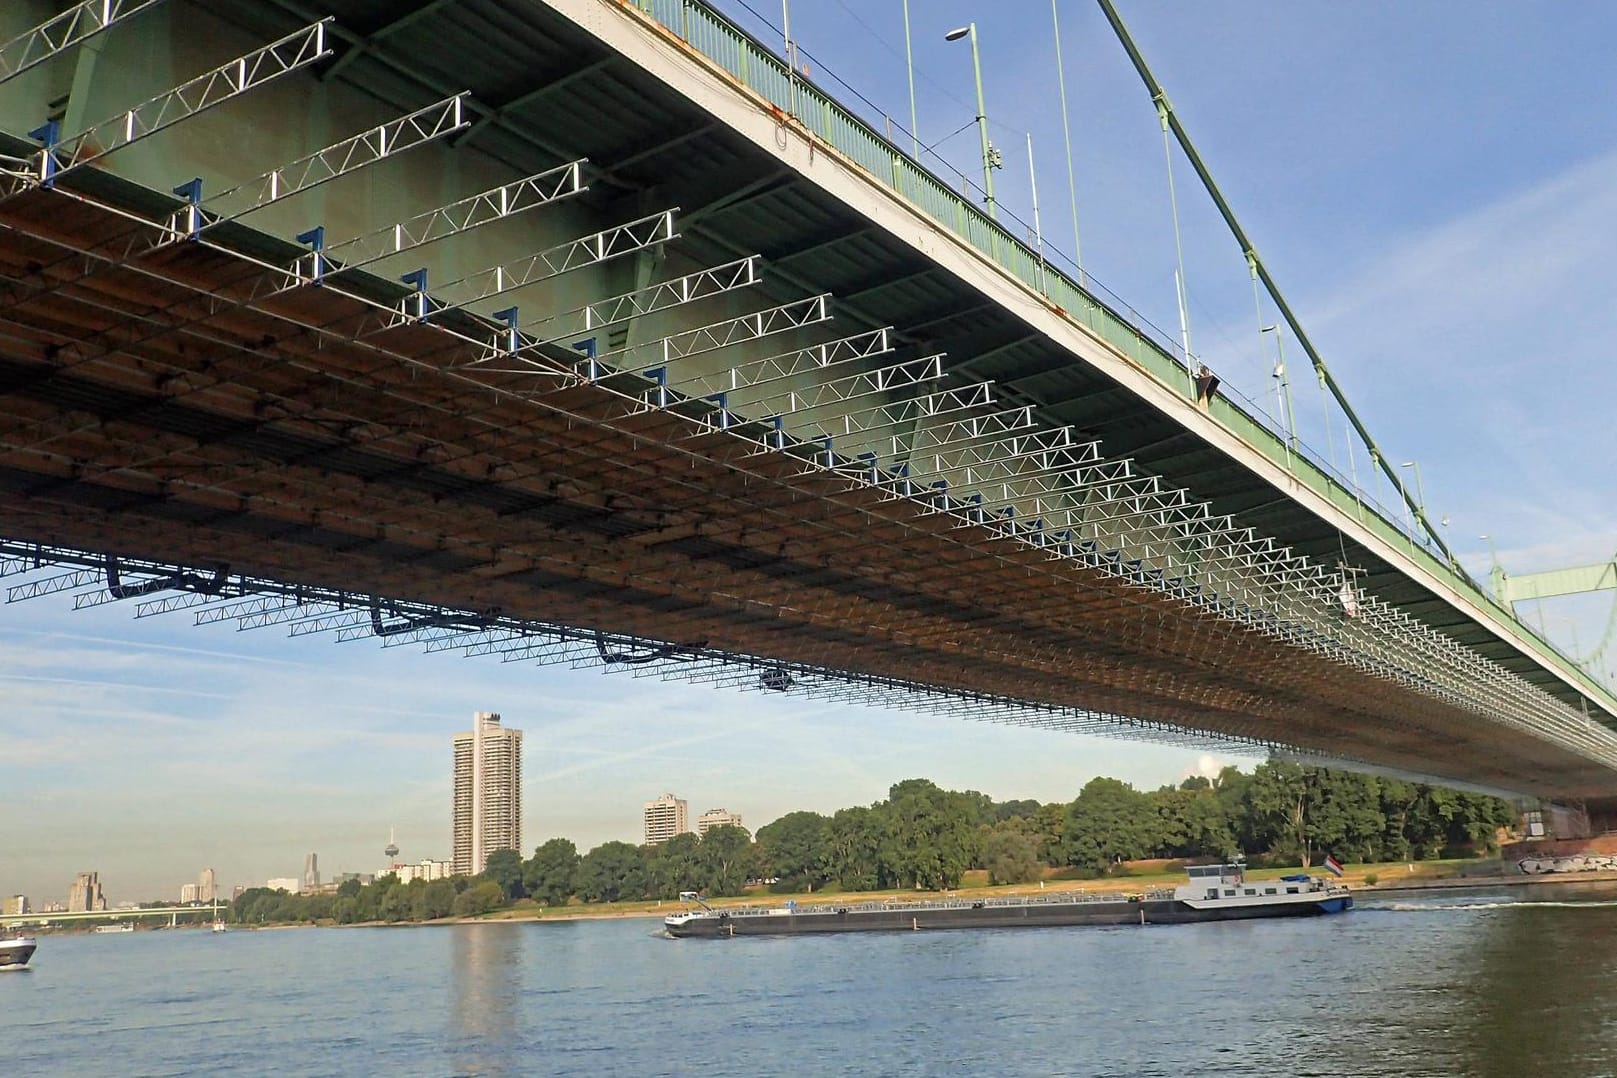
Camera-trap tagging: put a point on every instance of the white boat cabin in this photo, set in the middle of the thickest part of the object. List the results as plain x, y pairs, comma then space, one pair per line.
1227, 885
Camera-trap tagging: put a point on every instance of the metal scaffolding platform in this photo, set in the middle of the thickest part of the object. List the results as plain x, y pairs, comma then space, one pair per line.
716, 475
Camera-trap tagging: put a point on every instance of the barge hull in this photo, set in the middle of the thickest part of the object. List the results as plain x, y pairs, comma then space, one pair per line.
899, 919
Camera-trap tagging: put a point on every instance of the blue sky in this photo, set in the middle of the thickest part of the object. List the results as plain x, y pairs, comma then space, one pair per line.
1436, 194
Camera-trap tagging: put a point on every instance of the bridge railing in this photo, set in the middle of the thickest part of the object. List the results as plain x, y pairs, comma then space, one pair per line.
1089, 304
1112, 319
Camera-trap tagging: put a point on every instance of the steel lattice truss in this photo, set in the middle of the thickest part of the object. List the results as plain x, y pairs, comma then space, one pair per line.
287, 440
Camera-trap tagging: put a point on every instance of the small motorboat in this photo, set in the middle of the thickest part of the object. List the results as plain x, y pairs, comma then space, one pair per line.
15, 951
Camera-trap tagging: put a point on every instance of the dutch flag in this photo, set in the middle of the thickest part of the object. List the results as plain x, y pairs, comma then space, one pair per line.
1332, 865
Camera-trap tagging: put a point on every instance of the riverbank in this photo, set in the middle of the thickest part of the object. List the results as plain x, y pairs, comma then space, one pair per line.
1364, 880
1421, 876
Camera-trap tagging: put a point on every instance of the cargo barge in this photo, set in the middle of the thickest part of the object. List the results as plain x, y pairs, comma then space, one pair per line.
1212, 893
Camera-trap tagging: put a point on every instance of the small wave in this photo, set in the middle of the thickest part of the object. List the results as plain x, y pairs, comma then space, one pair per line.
1437, 907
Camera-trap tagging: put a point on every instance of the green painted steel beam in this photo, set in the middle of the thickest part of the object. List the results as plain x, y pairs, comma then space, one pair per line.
1159, 97
1545, 585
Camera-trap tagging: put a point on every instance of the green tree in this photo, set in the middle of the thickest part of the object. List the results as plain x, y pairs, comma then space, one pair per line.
1278, 800
481, 898
548, 875
929, 837
1477, 820
1110, 821
504, 867
395, 903
1193, 822
1011, 810
610, 872
435, 900
1011, 855
1344, 814
1050, 833
724, 856
853, 849
674, 866
794, 848
1231, 788
1397, 800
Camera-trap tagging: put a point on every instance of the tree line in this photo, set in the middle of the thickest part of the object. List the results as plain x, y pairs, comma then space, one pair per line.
924, 837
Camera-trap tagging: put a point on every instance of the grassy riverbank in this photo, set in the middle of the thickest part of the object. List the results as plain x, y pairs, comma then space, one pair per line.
1362, 878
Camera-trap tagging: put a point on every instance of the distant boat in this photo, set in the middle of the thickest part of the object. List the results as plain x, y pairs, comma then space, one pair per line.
15, 951
218, 922
104, 930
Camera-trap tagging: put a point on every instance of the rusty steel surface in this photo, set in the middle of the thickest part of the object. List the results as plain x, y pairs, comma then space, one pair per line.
146, 409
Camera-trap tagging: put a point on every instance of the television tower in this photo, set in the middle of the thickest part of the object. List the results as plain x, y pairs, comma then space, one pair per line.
392, 849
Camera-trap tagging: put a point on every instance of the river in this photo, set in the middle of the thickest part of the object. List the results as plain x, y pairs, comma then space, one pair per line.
1506, 983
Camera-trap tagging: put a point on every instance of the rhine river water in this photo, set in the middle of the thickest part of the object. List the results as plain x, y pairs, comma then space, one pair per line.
1511, 984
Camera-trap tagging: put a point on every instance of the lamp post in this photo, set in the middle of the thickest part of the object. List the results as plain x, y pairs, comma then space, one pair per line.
990, 155
1288, 414
1496, 573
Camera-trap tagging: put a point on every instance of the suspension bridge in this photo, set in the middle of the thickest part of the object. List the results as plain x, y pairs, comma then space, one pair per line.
593, 332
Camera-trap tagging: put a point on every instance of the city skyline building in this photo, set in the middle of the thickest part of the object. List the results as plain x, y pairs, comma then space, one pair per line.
311, 872
189, 892
488, 792
16, 905
207, 886
717, 818
85, 895
290, 884
424, 870
664, 818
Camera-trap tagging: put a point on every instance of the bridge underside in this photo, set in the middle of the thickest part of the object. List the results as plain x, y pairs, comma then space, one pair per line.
278, 450
200, 424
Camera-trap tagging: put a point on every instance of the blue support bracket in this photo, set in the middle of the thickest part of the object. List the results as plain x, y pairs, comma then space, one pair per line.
830, 457
905, 488
660, 376
941, 499
418, 280
875, 471
49, 133
977, 515
315, 238
723, 401
587, 346
191, 191
509, 317
779, 423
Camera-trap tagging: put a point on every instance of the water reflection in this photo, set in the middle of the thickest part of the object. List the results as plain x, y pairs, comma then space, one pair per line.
1545, 980
485, 962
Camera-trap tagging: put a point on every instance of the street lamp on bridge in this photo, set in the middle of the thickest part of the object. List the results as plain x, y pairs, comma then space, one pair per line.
991, 156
